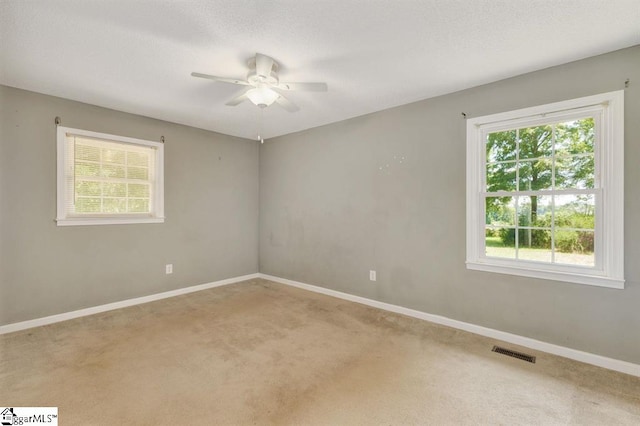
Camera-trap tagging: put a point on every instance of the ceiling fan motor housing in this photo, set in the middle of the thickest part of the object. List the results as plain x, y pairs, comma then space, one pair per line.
257, 80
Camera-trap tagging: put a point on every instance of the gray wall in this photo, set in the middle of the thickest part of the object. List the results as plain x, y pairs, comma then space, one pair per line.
387, 192
211, 208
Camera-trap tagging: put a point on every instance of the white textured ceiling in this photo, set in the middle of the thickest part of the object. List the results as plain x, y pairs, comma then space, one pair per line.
137, 55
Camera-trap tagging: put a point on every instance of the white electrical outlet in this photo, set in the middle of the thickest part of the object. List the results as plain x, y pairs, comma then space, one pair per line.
372, 275
168, 268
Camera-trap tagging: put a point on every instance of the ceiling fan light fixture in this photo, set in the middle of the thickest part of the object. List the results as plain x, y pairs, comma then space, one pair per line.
262, 79
262, 96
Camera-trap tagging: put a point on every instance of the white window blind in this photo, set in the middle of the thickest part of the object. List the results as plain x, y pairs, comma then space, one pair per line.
104, 179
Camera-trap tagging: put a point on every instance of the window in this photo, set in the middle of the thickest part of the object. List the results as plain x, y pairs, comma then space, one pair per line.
106, 179
545, 191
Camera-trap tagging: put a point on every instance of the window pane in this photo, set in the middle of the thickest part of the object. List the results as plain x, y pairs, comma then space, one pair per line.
575, 247
113, 156
534, 210
115, 190
86, 152
138, 159
137, 173
87, 169
577, 171
88, 188
501, 177
501, 146
138, 205
500, 211
534, 175
87, 205
138, 190
115, 205
575, 211
575, 137
525, 171
541, 174
534, 244
536, 142
112, 171
500, 243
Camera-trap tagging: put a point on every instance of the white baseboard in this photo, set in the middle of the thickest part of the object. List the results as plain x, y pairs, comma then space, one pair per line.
10, 328
586, 357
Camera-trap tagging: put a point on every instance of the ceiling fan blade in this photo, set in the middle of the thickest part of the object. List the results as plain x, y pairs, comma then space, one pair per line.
264, 64
287, 104
307, 87
220, 79
238, 99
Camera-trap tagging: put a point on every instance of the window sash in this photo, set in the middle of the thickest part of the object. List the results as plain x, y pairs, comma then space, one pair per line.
594, 113
553, 228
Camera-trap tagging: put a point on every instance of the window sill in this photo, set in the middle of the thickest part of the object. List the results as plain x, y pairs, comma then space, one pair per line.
107, 221
587, 279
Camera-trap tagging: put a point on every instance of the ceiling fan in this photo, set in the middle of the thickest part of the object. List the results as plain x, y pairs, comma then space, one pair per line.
263, 81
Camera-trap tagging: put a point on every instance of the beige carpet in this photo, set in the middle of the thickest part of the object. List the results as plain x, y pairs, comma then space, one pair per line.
263, 353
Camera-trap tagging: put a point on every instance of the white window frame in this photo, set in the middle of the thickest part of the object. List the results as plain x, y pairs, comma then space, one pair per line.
609, 162
65, 188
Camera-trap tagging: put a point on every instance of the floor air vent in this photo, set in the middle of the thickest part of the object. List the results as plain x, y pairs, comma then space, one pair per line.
514, 354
